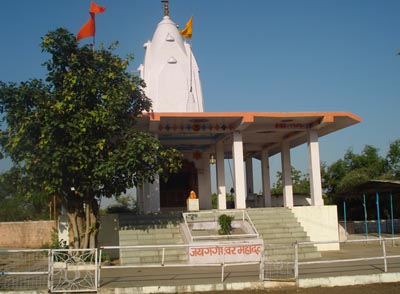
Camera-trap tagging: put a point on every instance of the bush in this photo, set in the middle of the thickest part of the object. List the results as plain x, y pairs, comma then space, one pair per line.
225, 224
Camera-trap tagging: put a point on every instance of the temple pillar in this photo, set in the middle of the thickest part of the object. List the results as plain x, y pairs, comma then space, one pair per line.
238, 167
286, 175
204, 180
249, 175
266, 181
221, 188
315, 168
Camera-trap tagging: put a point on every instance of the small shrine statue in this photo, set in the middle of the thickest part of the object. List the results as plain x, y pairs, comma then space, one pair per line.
192, 195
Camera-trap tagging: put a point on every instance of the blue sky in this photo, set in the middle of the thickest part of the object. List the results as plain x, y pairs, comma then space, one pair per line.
254, 55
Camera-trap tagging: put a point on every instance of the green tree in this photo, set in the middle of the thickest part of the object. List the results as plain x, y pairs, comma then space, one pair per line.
341, 178
300, 183
331, 175
74, 135
393, 160
17, 202
354, 169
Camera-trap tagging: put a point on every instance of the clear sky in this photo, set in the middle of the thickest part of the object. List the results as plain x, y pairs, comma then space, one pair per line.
254, 55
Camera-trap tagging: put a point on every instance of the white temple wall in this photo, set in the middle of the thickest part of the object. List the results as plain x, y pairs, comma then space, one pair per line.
313, 218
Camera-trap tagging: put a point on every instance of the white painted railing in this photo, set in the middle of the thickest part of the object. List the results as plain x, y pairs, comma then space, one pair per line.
383, 256
37, 267
242, 215
52, 269
223, 262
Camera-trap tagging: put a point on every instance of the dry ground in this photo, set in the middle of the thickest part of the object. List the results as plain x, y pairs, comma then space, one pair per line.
386, 288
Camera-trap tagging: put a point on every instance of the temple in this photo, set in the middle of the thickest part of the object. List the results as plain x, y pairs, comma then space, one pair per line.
178, 120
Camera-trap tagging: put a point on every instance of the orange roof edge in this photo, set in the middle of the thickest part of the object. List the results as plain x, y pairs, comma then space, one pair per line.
249, 116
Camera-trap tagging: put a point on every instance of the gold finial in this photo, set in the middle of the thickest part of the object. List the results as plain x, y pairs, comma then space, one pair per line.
166, 7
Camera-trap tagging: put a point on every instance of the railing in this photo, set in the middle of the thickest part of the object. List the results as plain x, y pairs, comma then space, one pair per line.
278, 265
54, 269
58, 270
24, 269
199, 217
223, 262
383, 256
73, 270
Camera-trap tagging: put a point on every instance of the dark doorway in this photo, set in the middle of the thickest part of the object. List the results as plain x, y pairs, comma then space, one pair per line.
175, 192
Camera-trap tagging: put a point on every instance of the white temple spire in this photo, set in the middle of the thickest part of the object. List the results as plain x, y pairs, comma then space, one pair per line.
170, 70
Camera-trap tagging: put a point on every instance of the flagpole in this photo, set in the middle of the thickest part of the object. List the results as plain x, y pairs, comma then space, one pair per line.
94, 35
190, 102
191, 67
89, 28
187, 34
191, 74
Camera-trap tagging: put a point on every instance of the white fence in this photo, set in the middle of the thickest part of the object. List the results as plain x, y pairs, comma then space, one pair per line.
24, 269
203, 218
376, 250
214, 255
57, 270
73, 270
82, 270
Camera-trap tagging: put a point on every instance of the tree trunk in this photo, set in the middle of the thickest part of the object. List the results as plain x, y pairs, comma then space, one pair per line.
83, 220
72, 217
94, 220
85, 242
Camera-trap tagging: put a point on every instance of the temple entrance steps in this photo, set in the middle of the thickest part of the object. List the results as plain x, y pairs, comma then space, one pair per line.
151, 229
279, 229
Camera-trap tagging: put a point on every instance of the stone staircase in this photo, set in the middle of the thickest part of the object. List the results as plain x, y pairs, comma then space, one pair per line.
152, 229
278, 227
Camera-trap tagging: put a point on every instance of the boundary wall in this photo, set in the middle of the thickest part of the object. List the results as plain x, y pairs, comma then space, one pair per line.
30, 234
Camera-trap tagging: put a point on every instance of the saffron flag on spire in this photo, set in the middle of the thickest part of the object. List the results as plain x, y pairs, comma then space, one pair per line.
94, 8
187, 31
89, 28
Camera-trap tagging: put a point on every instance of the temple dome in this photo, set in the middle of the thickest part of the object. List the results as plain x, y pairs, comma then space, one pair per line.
167, 31
170, 71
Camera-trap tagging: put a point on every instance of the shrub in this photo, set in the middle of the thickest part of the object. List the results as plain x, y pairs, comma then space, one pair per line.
225, 224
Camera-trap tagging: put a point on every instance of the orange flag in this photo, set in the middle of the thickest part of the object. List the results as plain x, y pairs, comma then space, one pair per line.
187, 31
94, 8
89, 28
